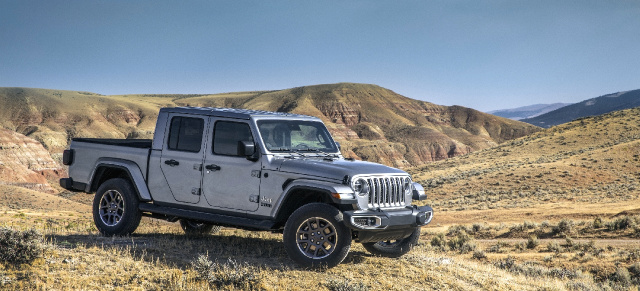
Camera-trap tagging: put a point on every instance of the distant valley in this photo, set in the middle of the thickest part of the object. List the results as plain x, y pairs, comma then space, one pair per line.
527, 111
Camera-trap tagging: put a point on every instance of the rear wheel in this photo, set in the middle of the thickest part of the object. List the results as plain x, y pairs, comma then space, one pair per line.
194, 227
315, 236
115, 208
394, 248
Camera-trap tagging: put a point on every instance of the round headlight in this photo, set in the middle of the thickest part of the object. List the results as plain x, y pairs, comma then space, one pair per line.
407, 186
361, 187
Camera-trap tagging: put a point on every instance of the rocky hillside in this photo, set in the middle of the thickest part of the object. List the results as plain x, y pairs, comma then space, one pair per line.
591, 107
371, 122
25, 163
590, 161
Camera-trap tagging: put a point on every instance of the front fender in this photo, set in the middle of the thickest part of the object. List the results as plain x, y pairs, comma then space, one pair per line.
135, 174
340, 194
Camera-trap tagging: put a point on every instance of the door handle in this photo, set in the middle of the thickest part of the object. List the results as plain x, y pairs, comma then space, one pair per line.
212, 167
172, 163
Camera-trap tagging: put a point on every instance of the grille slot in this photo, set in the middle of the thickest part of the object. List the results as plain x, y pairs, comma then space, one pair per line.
386, 192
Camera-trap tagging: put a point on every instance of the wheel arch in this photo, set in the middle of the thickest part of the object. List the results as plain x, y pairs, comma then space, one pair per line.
301, 192
109, 169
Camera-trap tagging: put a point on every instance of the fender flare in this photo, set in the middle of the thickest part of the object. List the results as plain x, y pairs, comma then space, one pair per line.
131, 168
339, 194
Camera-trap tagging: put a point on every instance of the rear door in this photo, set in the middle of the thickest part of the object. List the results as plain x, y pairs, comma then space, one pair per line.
183, 154
230, 181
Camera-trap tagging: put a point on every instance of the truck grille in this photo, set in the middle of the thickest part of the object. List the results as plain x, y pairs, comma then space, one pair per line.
386, 192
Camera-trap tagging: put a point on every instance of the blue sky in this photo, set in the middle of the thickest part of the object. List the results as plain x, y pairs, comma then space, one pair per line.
480, 54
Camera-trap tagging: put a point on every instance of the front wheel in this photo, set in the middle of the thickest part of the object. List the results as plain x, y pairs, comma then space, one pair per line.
115, 208
193, 227
315, 236
394, 249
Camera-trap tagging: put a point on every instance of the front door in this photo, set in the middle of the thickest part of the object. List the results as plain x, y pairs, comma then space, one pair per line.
182, 156
230, 181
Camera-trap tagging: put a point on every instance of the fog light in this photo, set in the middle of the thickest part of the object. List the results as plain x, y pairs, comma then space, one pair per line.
366, 221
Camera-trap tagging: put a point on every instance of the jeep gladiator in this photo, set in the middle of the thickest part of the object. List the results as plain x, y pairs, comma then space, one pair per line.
254, 170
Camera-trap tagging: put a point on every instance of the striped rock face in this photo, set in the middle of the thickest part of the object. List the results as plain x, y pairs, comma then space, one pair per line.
26, 163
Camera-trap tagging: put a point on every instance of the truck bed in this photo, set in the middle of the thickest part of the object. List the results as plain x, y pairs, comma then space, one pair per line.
134, 143
90, 153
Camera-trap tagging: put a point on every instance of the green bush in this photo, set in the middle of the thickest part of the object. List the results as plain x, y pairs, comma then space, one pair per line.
20, 247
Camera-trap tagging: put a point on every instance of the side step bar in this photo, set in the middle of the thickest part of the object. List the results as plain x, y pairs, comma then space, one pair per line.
219, 219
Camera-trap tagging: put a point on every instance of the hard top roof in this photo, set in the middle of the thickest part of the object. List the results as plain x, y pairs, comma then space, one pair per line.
232, 112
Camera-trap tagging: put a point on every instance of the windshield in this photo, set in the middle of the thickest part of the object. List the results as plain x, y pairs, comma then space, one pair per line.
296, 136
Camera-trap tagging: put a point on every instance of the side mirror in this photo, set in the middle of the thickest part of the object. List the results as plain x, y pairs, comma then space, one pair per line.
247, 149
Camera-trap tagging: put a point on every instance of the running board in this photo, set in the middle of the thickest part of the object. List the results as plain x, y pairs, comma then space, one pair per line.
219, 219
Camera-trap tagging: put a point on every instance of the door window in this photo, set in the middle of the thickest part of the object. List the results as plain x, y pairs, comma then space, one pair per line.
185, 134
226, 136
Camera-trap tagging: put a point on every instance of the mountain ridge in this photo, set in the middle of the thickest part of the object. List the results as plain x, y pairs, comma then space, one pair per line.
590, 107
529, 111
370, 122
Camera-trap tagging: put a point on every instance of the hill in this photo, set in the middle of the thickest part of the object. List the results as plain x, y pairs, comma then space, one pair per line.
527, 111
592, 107
591, 161
371, 122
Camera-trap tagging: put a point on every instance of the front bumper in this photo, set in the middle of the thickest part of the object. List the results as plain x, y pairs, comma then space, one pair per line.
388, 224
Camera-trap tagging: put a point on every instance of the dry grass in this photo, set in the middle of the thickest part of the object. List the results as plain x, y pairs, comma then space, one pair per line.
159, 256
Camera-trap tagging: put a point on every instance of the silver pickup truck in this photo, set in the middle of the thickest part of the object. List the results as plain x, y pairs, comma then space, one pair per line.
255, 170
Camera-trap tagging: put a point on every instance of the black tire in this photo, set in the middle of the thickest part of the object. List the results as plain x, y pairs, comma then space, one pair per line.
394, 249
115, 208
316, 237
193, 227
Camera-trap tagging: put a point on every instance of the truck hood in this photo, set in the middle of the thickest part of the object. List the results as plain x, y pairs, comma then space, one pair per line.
334, 169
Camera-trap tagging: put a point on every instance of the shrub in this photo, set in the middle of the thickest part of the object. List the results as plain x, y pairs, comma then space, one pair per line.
554, 247
597, 223
477, 228
621, 223
634, 271
564, 227
462, 243
499, 247
439, 242
456, 230
345, 285
479, 255
532, 242
622, 277
230, 274
19, 247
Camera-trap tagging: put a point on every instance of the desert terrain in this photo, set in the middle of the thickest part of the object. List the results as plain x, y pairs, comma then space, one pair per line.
552, 209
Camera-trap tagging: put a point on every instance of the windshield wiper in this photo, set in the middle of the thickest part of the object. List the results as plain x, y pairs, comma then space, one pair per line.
280, 150
307, 150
